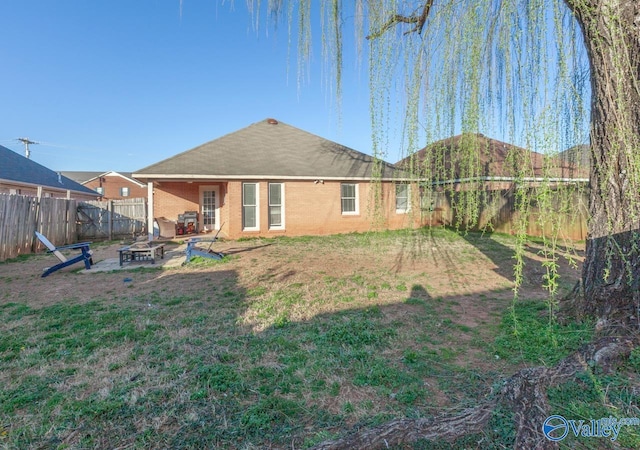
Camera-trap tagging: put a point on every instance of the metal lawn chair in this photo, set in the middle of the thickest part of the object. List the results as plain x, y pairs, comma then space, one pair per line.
193, 250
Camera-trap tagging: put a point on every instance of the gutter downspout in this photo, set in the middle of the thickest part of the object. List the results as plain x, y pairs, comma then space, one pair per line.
150, 213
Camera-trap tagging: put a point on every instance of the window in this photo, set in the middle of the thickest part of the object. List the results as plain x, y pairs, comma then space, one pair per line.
124, 191
349, 197
402, 198
276, 206
250, 214
100, 190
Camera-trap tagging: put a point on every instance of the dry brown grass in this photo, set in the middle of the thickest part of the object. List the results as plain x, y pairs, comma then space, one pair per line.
279, 344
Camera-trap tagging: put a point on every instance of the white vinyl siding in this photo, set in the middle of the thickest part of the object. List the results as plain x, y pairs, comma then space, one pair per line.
349, 198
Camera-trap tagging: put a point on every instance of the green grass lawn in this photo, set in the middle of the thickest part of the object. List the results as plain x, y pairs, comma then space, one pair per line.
264, 354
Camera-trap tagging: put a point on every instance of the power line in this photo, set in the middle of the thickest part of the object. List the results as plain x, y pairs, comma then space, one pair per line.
26, 142
66, 147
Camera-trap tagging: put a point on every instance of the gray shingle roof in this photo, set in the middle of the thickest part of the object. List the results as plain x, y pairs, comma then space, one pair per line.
17, 168
81, 177
445, 160
268, 149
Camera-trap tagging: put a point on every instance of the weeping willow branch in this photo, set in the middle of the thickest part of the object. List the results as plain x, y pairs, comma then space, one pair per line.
418, 19
516, 67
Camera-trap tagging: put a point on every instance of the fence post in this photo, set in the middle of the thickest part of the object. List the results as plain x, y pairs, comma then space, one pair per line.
110, 219
34, 244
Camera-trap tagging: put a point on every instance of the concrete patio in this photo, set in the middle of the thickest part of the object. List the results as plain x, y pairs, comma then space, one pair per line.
174, 256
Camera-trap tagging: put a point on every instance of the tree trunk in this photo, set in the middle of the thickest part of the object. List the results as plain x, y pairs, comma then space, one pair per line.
525, 393
611, 272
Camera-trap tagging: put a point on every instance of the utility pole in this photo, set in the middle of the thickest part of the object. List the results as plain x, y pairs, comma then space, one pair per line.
26, 143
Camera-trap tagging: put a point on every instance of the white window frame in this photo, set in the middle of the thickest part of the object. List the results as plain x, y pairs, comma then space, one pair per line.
408, 208
100, 190
125, 191
357, 200
216, 189
282, 225
257, 206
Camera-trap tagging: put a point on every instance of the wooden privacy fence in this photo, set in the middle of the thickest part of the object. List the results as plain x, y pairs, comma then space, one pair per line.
112, 219
20, 216
65, 221
498, 211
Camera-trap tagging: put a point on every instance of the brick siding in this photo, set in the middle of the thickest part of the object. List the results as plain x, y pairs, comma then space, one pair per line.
309, 208
112, 185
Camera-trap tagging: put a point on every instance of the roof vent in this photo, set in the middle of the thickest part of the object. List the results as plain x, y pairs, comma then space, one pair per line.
272, 121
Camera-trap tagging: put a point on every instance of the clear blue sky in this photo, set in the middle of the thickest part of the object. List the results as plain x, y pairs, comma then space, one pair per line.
121, 84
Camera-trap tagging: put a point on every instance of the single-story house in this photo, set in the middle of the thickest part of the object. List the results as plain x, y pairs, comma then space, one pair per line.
490, 170
110, 185
272, 179
494, 165
22, 176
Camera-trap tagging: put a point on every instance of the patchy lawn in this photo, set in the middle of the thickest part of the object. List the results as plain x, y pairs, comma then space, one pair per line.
283, 344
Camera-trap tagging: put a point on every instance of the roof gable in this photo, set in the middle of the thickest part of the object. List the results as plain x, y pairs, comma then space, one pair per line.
16, 168
127, 176
268, 149
86, 177
80, 176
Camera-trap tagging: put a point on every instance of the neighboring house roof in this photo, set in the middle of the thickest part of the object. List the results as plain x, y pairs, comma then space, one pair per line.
578, 155
18, 169
81, 177
446, 160
85, 177
268, 149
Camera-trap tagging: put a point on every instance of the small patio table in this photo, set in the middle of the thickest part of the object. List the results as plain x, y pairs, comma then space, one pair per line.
141, 251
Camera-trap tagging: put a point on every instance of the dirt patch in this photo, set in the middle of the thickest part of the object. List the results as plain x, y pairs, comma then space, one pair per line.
332, 332
462, 273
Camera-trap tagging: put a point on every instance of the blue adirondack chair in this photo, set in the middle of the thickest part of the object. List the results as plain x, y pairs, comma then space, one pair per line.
193, 250
83, 247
